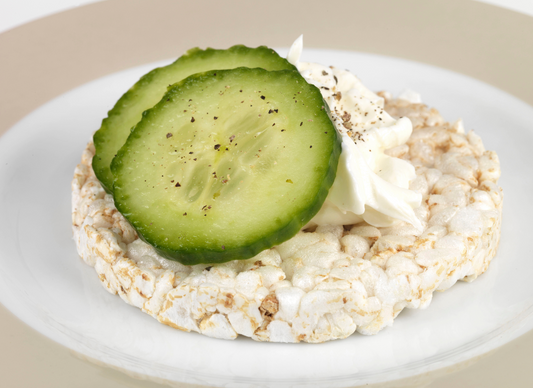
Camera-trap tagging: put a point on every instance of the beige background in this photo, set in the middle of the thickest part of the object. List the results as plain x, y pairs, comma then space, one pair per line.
47, 57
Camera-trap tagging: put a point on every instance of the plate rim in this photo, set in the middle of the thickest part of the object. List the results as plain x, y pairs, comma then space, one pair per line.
444, 355
7, 39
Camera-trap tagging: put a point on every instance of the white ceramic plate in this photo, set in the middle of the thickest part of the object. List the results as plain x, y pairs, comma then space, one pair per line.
46, 285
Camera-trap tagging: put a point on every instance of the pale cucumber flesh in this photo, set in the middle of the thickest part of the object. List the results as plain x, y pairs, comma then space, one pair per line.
150, 88
227, 164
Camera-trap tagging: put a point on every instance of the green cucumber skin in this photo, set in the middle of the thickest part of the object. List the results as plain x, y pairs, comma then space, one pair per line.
116, 127
198, 255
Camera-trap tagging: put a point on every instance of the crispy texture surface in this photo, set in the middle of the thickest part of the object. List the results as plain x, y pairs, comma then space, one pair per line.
323, 284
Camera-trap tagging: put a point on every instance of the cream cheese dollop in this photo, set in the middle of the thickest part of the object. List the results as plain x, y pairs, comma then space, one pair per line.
370, 185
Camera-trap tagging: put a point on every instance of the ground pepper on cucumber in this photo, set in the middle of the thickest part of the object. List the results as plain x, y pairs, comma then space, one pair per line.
225, 153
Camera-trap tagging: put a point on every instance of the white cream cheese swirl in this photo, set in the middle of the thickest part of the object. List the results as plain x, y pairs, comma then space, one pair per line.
370, 185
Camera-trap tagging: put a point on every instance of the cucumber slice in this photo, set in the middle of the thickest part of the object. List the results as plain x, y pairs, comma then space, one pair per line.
151, 87
228, 164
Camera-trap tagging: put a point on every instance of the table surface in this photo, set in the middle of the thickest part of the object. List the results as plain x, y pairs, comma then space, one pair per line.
29, 359
14, 13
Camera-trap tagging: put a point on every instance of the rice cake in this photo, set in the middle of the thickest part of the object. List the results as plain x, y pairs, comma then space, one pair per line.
322, 284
